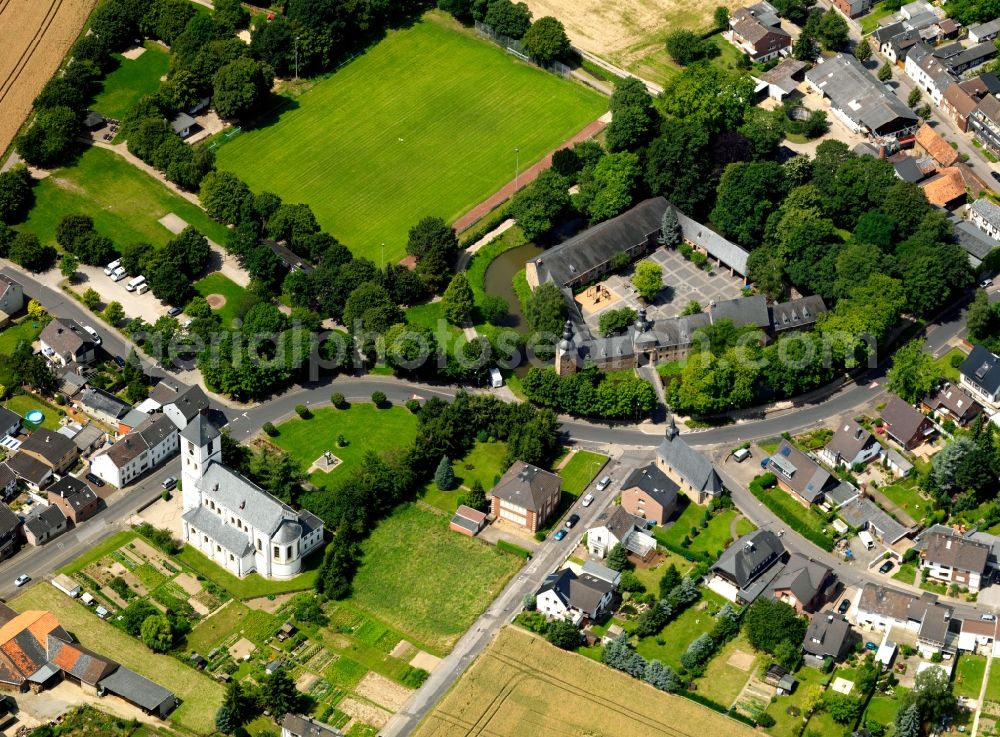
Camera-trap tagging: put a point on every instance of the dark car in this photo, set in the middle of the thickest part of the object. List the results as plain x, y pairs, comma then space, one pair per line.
119, 360
560, 534
174, 312
844, 606
995, 175
572, 520
886, 567
95, 480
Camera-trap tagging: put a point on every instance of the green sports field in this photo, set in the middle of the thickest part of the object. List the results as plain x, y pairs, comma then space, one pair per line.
425, 123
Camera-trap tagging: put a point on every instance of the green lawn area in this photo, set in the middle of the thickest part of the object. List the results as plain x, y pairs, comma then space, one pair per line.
681, 632
969, 673
125, 203
363, 426
431, 316
24, 403
650, 577
787, 509
906, 573
26, 330
132, 80
716, 536
200, 695
210, 632
905, 495
98, 551
236, 296
944, 367
687, 519
253, 585
484, 459
788, 725
426, 122
744, 526
427, 581
722, 682
993, 685
580, 470
870, 22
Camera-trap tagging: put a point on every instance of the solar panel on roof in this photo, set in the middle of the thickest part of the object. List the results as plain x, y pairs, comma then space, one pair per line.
983, 370
786, 451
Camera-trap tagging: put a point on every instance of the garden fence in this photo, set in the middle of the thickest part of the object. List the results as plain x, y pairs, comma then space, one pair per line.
515, 47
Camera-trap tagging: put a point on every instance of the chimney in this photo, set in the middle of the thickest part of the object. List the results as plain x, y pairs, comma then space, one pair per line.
829, 617
858, 433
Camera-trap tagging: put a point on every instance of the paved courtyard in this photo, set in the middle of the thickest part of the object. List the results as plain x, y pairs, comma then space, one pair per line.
683, 282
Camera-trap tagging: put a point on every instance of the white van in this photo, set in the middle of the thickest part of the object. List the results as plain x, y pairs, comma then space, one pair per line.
110, 268
142, 288
741, 454
496, 380
135, 283
866, 539
119, 274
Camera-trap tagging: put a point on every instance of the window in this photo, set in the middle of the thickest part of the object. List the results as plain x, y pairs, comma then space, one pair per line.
190, 448
277, 551
218, 548
288, 552
258, 546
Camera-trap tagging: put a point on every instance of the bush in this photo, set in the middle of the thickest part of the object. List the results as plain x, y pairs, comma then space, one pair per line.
338, 401
379, 399
511, 548
302, 411
269, 429
413, 405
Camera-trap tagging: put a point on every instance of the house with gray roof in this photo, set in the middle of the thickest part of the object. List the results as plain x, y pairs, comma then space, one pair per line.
796, 314
44, 525
65, 342
568, 595
804, 584
950, 402
525, 496
863, 514
649, 494
693, 473
747, 567
11, 298
979, 375
980, 32
985, 215
295, 725
186, 406
799, 475
148, 446
857, 99
828, 636
850, 445
905, 424
103, 405
10, 422
616, 526
30, 470
756, 31
139, 691
954, 559
975, 242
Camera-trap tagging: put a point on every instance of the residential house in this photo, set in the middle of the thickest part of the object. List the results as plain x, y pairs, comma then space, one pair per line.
143, 449
8, 481
690, 470
10, 532
804, 584
979, 375
757, 32
928, 71
647, 493
979, 636
75, 498
86, 438
828, 636
44, 525
10, 422
881, 608
11, 298
165, 392
796, 314
31, 471
602, 572
976, 244
614, 526
49, 447
984, 122
747, 567
850, 445
905, 424
885, 39
36, 652
930, 142
985, 215
566, 595
799, 475
946, 189
954, 559
525, 496
980, 32
186, 406
65, 342
960, 100
908, 169
184, 125
234, 522
950, 402
783, 79
103, 406
294, 725
857, 99
862, 513
852, 8
467, 521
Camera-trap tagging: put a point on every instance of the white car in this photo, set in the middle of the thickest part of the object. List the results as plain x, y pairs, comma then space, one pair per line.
603, 483
93, 334
588, 500
21, 580
119, 274
110, 268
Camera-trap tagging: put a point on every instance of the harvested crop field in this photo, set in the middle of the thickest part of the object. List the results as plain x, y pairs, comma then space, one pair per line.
34, 37
523, 685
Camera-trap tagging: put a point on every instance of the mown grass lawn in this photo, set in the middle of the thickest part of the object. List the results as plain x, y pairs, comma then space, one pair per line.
485, 460
722, 682
423, 579
125, 203
363, 426
580, 470
424, 123
716, 536
26, 330
870, 22
200, 695
132, 80
993, 685
969, 672
24, 403
906, 573
790, 725
210, 632
252, 585
944, 367
681, 632
905, 495
688, 518
236, 296
650, 577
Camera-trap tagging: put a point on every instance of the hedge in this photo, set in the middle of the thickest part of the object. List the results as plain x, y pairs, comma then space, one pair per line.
813, 536
692, 556
714, 706
511, 548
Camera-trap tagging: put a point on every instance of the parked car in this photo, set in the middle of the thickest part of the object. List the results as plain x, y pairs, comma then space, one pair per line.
588, 500
118, 274
572, 520
886, 567
174, 312
603, 483
169, 482
95, 480
110, 268
560, 533
986, 284
844, 606
741, 454
119, 360
21, 580
871, 646
989, 617
94, 335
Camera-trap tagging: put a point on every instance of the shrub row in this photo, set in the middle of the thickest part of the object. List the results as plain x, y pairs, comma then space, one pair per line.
810, 534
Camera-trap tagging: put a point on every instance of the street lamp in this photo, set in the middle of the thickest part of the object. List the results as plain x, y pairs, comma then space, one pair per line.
296, 58
517, 166
383, 255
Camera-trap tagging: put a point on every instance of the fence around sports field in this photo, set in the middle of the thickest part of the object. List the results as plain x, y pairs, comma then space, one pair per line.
516, 48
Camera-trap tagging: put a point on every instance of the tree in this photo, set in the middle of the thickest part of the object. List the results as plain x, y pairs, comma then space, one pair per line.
721, 17
546, 310
924, 112
632, 116
913, 374
29, 253
68, 265
670, 579
843, 708
831, 30
546, 40
563, 633
884, 73
648, 280
767, 623
444, 476
932, 695
913, 99
370, 308
225, 718
679, 165
241, 86
611, 188
190, 251
51, 138
698, 652
747, 194
224, 196
538, 206
618, 558
434, 244
613, 322
508, 18
908, 722
279, 693
805, 48
863, 50
157, 633
340, 561
167, 281
670, 228
16, 197
686, 47
493, 309
789, 655
32, 370
114, 313
980, 319
661, 676
476, 497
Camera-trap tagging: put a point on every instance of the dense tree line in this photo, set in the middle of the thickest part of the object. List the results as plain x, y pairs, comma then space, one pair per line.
591, 393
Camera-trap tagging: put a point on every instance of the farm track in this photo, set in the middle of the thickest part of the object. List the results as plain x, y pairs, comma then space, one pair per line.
38, 35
